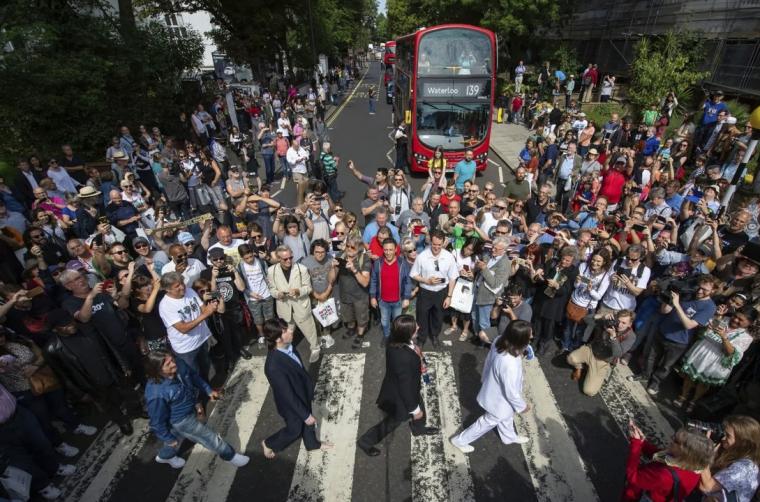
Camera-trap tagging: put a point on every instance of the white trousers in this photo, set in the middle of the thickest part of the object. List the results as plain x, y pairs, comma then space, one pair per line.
486, 423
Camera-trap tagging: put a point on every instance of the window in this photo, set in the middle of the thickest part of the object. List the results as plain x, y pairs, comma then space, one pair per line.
454, 52
454, 126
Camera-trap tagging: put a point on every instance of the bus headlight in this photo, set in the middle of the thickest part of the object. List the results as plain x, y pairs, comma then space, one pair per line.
482, 157
419, 157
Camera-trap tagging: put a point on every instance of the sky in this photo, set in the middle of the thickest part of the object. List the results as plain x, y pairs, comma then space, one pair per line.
381, 7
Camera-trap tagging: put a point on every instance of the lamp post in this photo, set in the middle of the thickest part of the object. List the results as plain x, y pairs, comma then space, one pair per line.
754, 120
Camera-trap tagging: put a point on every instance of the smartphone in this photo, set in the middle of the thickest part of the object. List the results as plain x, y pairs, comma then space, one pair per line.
35, 292
417, 229
466, 268
638, 228
107, 284
549, 231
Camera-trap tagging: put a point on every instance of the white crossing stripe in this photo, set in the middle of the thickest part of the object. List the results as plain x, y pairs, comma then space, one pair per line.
629, 400
555, 466
206, 477
328, 475
104, 463
440, 471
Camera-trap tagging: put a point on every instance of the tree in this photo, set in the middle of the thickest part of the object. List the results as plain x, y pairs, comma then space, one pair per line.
663, 65
68, 78
381, 28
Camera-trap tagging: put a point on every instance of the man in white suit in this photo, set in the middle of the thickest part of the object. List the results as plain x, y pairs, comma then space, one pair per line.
290, 285
501, 393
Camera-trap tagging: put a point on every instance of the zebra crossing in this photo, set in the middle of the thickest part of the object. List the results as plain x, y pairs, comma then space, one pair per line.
553, 466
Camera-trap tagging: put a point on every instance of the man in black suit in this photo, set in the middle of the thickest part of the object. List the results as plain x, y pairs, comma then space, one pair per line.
26, 182
293, 391
399, 395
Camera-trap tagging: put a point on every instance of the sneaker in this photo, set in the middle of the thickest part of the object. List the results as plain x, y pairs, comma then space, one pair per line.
464, 448
85, 430
50, 492
175, 461
239, 460
520, 440
652, 391
65, 470
314, 357
636, 378
67, 450
328, 341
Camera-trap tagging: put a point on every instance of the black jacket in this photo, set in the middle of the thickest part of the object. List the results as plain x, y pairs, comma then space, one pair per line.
554, 307
291, 385
400, 391
72, 367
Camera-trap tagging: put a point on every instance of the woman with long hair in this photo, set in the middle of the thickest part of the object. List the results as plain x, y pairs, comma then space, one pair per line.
466, 266
501, 395
437, 163
591, 283
734, 471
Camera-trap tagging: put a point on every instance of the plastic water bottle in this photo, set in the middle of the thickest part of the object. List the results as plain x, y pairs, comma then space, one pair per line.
529, 354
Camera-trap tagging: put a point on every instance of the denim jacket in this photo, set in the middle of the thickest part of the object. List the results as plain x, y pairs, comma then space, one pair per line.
405, 282
172, 399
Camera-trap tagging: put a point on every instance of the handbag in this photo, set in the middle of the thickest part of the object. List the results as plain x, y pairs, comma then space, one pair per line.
43, 381
326, 312
463, 296
575, 313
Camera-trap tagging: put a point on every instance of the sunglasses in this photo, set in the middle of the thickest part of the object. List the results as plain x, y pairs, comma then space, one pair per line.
140, 246
338, 209
437, 268
121, 251
191, 243
256, 236
286, 258
221, 258
340, 233
501, 233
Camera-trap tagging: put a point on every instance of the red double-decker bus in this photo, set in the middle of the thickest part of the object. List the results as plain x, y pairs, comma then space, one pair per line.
390, 53
445, 76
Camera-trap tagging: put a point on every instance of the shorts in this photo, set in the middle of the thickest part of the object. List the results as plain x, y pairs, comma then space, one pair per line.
357, 313
300, 178
261, 310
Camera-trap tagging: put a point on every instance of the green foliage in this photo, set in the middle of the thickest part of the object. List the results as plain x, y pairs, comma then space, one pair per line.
661, 66
382, 34
600, 112
564, 57
71, 78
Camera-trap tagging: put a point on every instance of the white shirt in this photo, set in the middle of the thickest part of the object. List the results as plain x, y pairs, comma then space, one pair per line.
185, 309
502, 384
619, 297
192, 272
231, 250
297, 158
425, 267
283, 125
62, 180
398, 198
255, 279
588, 296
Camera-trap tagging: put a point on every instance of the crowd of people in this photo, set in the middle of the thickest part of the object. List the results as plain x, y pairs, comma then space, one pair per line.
608, 244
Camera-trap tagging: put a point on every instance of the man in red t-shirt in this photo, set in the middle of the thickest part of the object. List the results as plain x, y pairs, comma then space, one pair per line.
390, 287
613, 180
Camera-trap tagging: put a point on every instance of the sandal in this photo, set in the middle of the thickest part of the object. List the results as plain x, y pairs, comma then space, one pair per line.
464, 336
679, 402
450, 331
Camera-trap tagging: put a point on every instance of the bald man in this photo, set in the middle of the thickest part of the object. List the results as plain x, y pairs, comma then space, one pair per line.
123, 215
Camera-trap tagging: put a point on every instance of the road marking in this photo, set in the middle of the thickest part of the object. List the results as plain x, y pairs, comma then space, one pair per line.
104, 463
327, 475
628, 400
501, 173
440, 472
282, 183
388, 156
206, 477
555, 466
340, 108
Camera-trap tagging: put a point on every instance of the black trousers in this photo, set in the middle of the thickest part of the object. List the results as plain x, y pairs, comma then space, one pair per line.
294, 429
387, 425
430, 313
231, 334
544, 330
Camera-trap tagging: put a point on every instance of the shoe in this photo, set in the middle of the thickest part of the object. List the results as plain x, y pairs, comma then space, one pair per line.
126, 428
679, 402
464, 448
327, 341
245, 354
427, 431
464, 336
85, 430
175, 461
371, 451
450, 331
577, 373
520, 440
357, 343
348, 334
50, 492
67, 450
315, 355
434, 341
636, 378
65, 470
652, 391
239, 460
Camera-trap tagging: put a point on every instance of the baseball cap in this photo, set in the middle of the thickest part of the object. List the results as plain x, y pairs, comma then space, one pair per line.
74, 265
621, 159
185, 237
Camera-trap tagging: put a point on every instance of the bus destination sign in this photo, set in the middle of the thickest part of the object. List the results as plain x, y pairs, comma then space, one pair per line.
455, 89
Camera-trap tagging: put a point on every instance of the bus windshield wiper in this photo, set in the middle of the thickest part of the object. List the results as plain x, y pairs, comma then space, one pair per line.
431, 105
458, 105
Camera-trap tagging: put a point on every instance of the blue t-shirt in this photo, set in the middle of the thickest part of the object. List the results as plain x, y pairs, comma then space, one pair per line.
465, 171
673, 329
675, 201
711, 111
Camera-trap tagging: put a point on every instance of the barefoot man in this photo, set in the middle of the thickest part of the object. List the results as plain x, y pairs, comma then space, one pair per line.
293, 391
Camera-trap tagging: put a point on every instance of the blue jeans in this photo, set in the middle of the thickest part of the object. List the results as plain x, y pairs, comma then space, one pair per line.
388, 312
198, 359
483, 313
190, 428
269, 166
372, 106
572, 335
285, 167
332, 187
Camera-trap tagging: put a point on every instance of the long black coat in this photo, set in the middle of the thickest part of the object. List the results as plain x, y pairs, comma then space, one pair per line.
291, 385
554, 308
400, 392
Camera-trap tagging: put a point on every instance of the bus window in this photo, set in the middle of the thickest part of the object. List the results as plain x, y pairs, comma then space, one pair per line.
454, 126
454, 52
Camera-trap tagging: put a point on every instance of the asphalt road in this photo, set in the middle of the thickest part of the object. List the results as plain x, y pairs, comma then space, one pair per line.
577, 449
